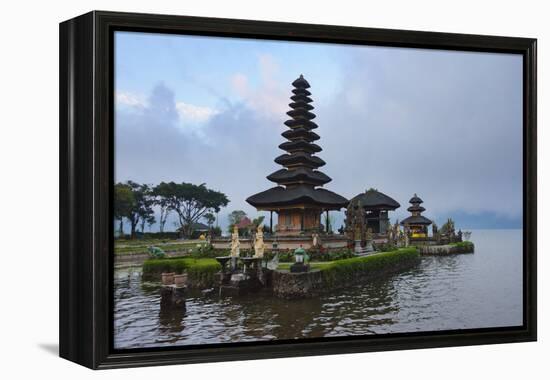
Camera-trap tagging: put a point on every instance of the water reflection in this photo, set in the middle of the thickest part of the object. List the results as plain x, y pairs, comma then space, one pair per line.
463, 291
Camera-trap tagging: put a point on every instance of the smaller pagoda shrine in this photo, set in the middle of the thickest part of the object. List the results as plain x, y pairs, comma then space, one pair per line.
299, 198
416, 225
368, 211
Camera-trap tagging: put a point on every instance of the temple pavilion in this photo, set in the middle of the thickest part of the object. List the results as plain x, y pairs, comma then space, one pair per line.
299, 198
416, 223
369, 210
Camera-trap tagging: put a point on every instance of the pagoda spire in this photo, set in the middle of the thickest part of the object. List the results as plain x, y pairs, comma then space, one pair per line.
299, 161
298, 179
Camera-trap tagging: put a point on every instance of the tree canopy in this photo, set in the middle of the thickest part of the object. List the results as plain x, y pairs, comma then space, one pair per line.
124, 201
191, 202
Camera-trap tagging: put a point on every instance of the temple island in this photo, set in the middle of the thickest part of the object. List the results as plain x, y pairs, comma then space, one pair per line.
301, 255
302, 203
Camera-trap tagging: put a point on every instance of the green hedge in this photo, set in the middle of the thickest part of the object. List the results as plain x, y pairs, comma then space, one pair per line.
464, 246
200, 272
376, 264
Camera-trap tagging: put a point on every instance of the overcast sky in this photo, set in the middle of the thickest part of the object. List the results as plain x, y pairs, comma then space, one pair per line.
445, 125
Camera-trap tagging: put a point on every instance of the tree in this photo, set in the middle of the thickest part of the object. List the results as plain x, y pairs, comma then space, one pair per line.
257, 221
191, 202
162, 194
123, 203
142, 207
149, 219
235, 218
210, 219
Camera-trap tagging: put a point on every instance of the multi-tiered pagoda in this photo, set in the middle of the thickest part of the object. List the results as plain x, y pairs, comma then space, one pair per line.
417, 224
299, 198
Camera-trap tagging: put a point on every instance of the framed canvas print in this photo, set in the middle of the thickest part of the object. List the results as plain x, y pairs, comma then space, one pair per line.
238, 189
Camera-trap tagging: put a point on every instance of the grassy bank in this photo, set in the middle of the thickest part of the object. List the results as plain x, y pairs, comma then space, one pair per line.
376, 264
200, 272
468, 245
341, 273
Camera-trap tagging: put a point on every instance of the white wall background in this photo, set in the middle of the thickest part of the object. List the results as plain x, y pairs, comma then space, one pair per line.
29, 191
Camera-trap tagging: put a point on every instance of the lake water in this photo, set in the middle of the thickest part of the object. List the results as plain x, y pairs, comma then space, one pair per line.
477, 290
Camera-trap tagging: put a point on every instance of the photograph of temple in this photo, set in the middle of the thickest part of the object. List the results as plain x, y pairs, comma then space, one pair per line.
240, 216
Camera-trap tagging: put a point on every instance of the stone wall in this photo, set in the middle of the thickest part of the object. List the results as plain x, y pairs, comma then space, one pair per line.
448, 249
311, 284
287, 242
297, 285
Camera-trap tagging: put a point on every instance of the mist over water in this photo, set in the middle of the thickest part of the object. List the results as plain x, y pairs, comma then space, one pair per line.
467, 291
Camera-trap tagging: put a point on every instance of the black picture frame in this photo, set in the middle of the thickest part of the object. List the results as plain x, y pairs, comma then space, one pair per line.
86, 183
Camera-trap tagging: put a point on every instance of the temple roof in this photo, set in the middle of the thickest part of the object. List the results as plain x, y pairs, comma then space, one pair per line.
300, 158
298, 195
302, 133
301, 122
416, 199
301, 113
300, 146
375, 200
301, 91
301, 82
416, 208
301, 104
284, 176
422, 220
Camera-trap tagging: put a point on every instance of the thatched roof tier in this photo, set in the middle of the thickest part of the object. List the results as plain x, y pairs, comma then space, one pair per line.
415, 199
299, 175
416, 208
300, 133
301, 91
301, 104
301, 123
300, 158
416, 220
298, 195
300, 146
301, 113
374, 200
301, 83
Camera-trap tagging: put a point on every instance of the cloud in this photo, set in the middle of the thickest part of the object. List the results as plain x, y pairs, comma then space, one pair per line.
130, 99
190, 117
193, 113
234, 157
270, 97
446, 125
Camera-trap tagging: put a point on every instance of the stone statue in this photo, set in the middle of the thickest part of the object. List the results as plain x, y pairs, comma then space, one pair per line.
259, 245
235, 243
368, 234
315, 242
368, 240
357, 233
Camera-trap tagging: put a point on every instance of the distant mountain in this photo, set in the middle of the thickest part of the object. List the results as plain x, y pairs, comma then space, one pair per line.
482, 220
